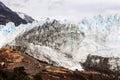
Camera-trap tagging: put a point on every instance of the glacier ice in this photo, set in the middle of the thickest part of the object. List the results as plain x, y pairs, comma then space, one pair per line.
52, 42
9, 32
65, 44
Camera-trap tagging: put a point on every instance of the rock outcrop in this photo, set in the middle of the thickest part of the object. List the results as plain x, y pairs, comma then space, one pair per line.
109, 65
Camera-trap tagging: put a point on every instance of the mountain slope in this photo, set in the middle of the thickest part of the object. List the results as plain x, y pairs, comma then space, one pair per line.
7, 15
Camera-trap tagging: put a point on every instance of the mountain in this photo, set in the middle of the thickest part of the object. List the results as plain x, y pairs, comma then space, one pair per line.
7, 15
58, 50
64, 44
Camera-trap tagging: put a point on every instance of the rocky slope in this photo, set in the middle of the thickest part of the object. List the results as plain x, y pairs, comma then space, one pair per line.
7, 15
7, 55
47, 72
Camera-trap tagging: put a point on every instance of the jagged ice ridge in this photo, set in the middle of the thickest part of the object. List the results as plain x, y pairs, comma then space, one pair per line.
69, 44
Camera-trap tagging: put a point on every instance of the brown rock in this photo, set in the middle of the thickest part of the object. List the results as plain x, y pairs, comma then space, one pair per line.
7, 55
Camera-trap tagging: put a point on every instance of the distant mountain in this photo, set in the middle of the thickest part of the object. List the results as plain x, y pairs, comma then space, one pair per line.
7, 15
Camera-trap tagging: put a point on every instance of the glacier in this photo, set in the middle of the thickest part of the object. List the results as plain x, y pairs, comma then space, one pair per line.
68, 44
9, 31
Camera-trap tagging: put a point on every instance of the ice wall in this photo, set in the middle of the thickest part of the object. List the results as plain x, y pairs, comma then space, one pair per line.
65, 44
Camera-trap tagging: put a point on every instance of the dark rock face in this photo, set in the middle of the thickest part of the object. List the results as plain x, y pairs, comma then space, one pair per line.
109, 65
7, 15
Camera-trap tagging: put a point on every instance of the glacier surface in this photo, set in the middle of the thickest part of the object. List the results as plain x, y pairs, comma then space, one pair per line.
97, 35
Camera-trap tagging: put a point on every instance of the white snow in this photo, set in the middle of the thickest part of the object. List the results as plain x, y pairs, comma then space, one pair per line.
21, 15
49, 55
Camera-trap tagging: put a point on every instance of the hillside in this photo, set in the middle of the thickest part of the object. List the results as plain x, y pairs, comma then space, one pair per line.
33, 67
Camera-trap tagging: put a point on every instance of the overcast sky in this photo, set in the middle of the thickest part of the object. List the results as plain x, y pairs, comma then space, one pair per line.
73, 10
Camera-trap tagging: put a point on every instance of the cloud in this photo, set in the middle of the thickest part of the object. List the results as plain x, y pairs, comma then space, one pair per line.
55, 4
60, 9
